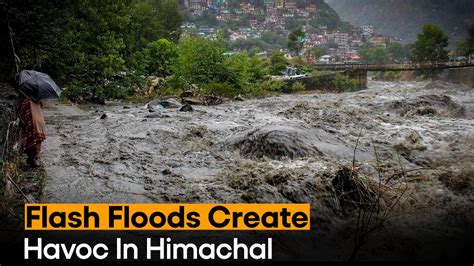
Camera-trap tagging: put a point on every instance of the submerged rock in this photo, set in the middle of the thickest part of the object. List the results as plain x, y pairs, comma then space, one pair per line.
186, 108
278, 141
428, 105
239, 98
171, 104
187, 94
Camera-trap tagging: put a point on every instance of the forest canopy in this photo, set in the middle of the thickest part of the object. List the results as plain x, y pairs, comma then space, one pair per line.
83, 42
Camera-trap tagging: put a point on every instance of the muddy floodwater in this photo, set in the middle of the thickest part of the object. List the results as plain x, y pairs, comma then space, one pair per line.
416, 138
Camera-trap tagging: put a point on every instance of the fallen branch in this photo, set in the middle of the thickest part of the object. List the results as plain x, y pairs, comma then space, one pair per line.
19, 189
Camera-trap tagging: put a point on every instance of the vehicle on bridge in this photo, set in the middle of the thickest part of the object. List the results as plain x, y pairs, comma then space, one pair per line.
458, 61
351, 62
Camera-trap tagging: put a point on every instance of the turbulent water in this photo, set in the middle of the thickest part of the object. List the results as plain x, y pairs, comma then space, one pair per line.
417, 137
189, 157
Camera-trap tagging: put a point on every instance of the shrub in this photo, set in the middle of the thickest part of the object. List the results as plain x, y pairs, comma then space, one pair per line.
273, 85
223, 89
201, 61
344, 83
298, 86
76, 92
253, 90
278, 63
173, 85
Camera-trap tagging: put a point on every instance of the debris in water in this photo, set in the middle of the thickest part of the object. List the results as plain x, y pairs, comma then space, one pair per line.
171, 104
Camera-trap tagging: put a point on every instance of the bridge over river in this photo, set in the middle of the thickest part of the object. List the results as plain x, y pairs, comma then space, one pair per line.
358, 72
389, 67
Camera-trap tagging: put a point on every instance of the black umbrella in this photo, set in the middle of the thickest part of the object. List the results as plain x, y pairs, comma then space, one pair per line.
38, 86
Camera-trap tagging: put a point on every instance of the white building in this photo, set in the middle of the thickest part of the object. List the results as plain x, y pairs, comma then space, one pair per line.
325, 59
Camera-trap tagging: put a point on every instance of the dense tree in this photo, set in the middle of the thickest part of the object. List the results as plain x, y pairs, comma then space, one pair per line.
278, 63
295, 40
258, 70
201, 61
470, 38
466, 46
36, 39
374, 55
142, 29
157, 58
204, 63
430, 45
461, 48
96, 41
251, 45
249, 69
239, 65
278, 40
398, 52
171, 18
317, 52
86, 43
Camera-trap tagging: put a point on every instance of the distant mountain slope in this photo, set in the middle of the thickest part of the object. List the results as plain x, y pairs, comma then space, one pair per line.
404, 18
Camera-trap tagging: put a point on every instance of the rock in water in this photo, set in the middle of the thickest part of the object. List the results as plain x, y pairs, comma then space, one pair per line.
428, 105
276, 141
187, 94
239, 98
171, 103
186, 108
288, 140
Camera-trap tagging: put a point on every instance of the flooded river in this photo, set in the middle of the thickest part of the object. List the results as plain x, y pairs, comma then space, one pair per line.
415, 136
211, 154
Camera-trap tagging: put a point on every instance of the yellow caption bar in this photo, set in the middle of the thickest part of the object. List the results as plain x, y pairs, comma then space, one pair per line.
167, 217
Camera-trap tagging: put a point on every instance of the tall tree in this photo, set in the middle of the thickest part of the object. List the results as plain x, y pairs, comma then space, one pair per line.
201, 61
374, 55
151, 20
35, 35
95, 37
84, 42
296, 40
430, 45
278, 63
461, 48
169, 13
470, 38
398, 52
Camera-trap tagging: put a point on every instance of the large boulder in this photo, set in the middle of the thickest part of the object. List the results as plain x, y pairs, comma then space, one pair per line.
280, 140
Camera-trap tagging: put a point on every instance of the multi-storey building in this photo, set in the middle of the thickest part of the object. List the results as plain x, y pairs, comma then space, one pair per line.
280, 4
197, 6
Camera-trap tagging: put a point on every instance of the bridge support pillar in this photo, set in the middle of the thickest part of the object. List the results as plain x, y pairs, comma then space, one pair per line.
360, 76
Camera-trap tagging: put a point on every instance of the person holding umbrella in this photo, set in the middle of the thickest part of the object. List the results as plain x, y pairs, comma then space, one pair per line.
33, 129
33, 88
